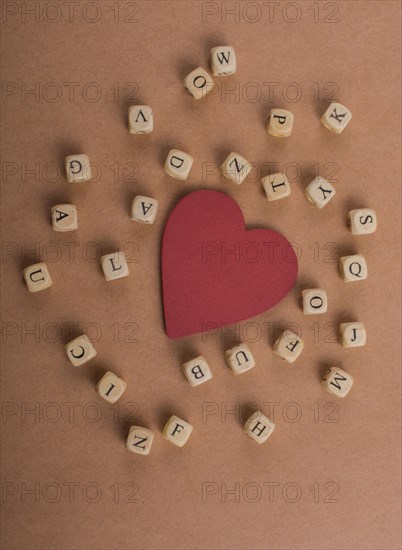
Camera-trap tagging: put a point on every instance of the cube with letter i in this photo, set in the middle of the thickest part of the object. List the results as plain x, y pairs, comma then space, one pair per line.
110, 387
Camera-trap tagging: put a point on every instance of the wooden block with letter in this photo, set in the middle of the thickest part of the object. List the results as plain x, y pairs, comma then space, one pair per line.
177, 431
139, 440
37, 277
338, 382
110, 387
144, 209
80, 350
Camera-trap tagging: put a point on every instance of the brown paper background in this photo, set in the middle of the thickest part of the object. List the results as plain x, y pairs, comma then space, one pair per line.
359, 454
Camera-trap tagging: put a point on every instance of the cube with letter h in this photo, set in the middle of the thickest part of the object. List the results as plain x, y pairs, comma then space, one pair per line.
259, 427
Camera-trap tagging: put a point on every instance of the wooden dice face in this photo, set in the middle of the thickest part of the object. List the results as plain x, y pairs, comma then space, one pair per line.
199, 83
64, 217
236, 168
338, 382
80, 350
37, 277
259, 427
280, 123
362, 221
276, 186
144, 209
352, 335
197, 371
110, 387
223, 61
319, 192
240, 359
177, 431
140, 119
353, 268
336, 118
78, 168
178, 164
314, 301
140, 440
288, 346
114, 266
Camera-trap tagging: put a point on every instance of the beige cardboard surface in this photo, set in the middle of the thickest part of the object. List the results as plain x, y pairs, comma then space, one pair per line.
329, 476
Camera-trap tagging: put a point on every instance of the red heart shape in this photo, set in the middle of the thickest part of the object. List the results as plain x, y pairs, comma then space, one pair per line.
214, 272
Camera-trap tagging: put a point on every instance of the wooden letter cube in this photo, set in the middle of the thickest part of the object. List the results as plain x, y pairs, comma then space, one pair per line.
353, 268
288, 346
337, 381
140, 440
362, 221
144, 209
140, 119
199, 83
177, 431
236, 168
280, 123
197, 371
352, 335
111, 387
114, 266
178, 164
78, 168
314, 300
223, 61
240, 359
64, 217
80, 350
37, 277
276, 186
259, 427
336, 118
319, 192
